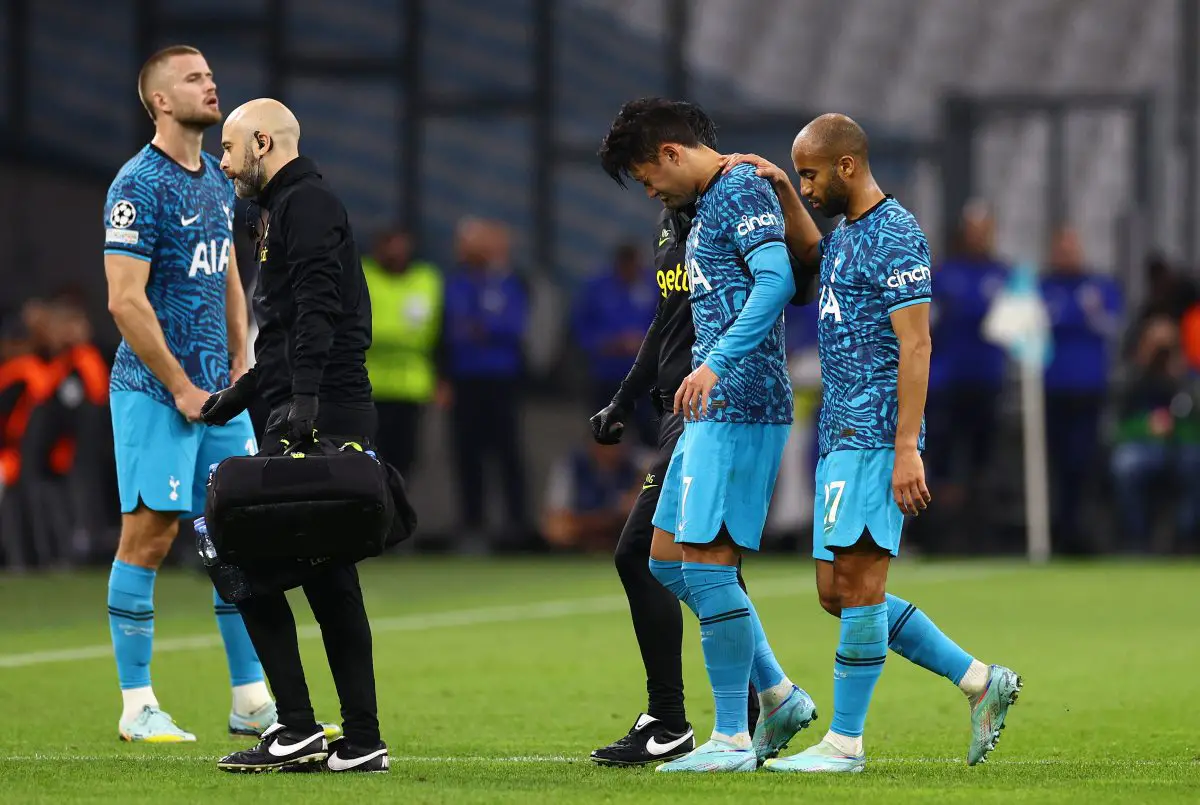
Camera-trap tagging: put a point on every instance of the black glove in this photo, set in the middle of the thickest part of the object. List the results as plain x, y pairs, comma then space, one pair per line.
302, 419
228, 403
609, 423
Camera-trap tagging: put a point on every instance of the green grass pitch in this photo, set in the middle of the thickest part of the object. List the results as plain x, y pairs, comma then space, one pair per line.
497, 678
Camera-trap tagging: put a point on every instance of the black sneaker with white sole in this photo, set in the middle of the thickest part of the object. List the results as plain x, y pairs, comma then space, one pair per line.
345, 756
649, 741
280, 749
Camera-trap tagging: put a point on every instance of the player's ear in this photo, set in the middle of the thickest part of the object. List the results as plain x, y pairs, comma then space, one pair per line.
669, 153
847, 166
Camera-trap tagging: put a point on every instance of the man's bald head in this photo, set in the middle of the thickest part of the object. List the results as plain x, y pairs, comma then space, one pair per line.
265, 116
259, 138
830, 156
834, 135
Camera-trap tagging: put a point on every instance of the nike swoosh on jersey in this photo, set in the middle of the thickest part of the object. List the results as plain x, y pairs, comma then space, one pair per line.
664, 237
337, 764
189, 221
280, 749
648, 486
655, 748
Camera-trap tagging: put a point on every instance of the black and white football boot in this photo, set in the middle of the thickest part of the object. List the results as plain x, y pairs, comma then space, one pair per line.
345, 756
648, 741
280, 749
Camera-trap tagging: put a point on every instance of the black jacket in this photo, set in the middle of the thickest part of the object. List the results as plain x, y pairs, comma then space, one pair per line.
665, 357
311, 301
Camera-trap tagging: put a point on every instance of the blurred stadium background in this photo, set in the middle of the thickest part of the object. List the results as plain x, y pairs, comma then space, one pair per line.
1056, 135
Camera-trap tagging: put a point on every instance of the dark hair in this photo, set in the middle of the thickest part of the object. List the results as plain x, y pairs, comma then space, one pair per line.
702, 124
643, 126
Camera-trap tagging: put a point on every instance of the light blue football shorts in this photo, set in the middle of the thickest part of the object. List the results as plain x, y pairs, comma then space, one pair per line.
721, 473
163, 460
854, 495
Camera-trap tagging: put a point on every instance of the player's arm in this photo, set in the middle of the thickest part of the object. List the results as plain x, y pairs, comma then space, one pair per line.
312, 237
903, 281
135, 318
237, 323
773, 287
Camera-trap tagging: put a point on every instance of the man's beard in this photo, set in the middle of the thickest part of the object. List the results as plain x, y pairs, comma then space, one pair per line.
249, 183
837, 199
200, 120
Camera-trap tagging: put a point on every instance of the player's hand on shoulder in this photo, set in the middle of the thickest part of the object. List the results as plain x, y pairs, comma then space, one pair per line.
908, 482
608, 424
692, 396
766, 168
189, 401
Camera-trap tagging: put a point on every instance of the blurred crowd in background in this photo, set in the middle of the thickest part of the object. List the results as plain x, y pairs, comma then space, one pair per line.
497, 336
1121, 398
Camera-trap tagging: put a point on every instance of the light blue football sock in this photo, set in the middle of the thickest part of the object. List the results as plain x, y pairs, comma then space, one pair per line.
857, 665
765, 672
916, 638
244, 666
131, 622
727, 638
670, 575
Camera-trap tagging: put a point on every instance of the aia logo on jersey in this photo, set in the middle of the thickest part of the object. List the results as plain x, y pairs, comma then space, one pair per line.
749, 223
899, 278
210, 259
696, 277
829, 305
673, 280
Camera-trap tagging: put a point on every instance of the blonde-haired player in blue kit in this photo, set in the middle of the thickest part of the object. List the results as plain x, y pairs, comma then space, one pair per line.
174, 292
874, 344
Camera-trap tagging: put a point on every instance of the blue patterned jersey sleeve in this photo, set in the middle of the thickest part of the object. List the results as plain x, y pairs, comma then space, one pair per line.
131, 216
751, 212
902, 275
773, 287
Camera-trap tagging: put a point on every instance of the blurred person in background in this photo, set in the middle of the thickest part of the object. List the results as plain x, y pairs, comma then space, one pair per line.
26, 381
590, 493
966, 375
609, 319
1085, 313
407, 298
487, 312
63, 434
1158, 438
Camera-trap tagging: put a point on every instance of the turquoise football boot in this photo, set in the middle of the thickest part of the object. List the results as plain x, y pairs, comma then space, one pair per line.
151, 725
714, 756
824, 757
776, 728
256, 723
988, 711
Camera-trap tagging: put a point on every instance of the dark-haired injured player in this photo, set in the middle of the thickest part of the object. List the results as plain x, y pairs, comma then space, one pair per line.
662, 732
737, 403
874, 344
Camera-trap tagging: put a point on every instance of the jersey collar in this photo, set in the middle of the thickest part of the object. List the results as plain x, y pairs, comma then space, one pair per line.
195, 174
886, 198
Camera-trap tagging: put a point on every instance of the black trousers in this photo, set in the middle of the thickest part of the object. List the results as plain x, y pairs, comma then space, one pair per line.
337, 603
399, 429
486, 422
657, 617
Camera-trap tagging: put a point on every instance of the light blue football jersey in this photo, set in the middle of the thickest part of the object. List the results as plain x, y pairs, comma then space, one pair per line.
181, 222
736, 215
870, 268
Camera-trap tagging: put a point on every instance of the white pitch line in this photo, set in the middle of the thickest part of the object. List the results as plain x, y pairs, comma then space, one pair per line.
512, 613
566, 759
